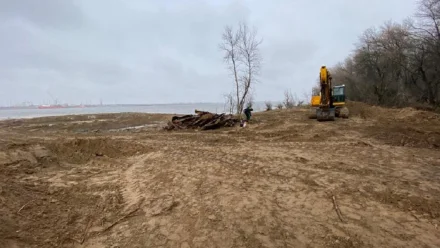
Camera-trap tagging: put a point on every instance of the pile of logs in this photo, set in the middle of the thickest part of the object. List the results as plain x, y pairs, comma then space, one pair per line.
202, 120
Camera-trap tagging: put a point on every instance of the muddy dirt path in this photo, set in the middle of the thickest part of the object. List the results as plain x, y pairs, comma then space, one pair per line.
274, 184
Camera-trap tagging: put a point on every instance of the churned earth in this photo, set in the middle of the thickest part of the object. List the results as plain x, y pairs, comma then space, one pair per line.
119, 180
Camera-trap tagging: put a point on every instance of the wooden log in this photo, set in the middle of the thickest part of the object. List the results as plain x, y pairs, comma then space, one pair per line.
203, 120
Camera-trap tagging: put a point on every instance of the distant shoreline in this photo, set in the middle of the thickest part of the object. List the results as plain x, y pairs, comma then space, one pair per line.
17, 113
109, 105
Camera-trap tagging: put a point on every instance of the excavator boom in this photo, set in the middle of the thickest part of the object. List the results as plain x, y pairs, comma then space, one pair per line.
326, 110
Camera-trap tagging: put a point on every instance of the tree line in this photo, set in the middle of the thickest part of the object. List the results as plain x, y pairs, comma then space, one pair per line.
396, 64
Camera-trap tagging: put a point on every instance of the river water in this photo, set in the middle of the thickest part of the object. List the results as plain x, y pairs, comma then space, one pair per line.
154, 108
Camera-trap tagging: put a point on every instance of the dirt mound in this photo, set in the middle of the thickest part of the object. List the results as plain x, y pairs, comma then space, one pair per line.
407, 127
81, 150
36, 212
37, 216
416, 116
408, 114
39, 209
362, 110
26, 158
400, 135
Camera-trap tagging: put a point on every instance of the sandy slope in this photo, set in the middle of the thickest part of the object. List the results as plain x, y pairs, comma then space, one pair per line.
79, 182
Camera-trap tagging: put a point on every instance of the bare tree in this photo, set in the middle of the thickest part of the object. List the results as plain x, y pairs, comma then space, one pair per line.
251, 59
396, 64
249, 102
428, 28
230, 47
230, 103
242, 54
289, 101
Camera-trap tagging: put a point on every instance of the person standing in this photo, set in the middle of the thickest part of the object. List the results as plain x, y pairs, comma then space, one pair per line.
248, 112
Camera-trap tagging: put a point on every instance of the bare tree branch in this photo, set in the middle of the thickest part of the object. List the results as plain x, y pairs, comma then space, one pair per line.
396, 64
242, 54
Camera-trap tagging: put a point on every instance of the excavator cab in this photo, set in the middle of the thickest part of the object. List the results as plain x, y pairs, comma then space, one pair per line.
338, 95
338, 98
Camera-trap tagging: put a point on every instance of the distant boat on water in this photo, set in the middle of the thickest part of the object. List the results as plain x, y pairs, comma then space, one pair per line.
49, 106
56, 106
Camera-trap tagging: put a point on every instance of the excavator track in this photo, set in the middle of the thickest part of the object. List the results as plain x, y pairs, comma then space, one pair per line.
344, 113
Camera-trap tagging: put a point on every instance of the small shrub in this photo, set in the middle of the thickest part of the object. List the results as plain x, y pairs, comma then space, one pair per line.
268, 106
289, 105
289, 102
280, 106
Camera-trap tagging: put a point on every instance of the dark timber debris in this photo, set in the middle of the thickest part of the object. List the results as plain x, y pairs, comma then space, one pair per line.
202, 120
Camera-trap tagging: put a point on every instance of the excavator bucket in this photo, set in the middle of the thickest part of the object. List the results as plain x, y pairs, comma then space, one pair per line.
325, 114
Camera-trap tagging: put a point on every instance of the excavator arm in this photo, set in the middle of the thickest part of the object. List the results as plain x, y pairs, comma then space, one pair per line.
326, 85
326, 110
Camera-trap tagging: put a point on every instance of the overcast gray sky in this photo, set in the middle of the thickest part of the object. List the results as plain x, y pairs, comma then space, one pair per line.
140, 51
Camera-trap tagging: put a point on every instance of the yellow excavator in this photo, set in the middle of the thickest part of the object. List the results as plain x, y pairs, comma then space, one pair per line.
328, 101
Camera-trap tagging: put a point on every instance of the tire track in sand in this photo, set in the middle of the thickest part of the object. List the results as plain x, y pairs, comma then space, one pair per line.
131, 181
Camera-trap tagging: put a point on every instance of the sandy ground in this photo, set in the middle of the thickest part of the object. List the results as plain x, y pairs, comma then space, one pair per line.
120, 181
